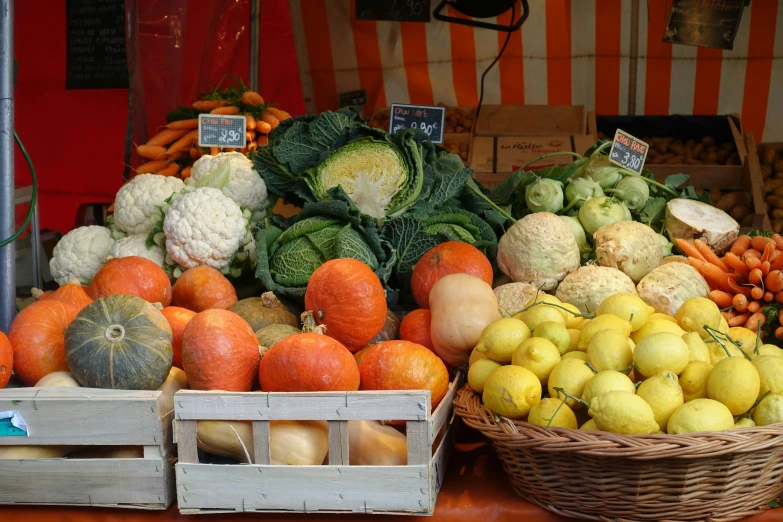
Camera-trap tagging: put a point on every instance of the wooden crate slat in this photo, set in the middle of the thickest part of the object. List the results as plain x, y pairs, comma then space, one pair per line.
440, 461
338, 443
187, 446
261, 441
86, 482
218, 488
444, 412
419, 446
375, 405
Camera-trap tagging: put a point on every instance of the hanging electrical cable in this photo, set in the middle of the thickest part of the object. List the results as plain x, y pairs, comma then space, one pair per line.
33, 198
497, 58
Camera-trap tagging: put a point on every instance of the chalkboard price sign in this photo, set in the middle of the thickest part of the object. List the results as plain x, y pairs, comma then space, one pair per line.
628, 152
220, 130
95, 45
425, 118
704, 23
393, 10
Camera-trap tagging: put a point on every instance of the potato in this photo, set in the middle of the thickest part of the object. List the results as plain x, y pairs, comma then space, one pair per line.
733, 159
655, 160
690, 144
675, 160
747, 221
768, 154
739, 212
778, 166
728, 202
708, 141
777, 225
778, 191
697, 150
678, 148
779, 175
715, 194
713, 148
776, 213
729, 146
723, 155
709, 158
691, 161
775, 201
766, 170
661, 147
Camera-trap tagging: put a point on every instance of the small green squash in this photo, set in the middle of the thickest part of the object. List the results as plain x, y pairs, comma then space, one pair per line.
263, 311
119, 342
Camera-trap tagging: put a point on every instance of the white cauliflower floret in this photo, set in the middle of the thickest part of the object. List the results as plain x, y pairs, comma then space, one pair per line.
137, 200
204, 227
245, 186
80, 254
136, 245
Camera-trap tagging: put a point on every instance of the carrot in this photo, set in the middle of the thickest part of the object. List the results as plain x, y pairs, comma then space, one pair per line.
251, 98
277, 113
754, 306
721, 298
778, 239
171, 170
753, 263
741, 244
166, 136
769, 297
739, 289
184, 124
779, 333
271, 120
151, 151
252, 145
230, 110
207, 105
263, 127
757, 292
736, 263
230, 149
193, 153
214, 151
766, 254
251, 121
688, 249
774, 281
777, 263
708, 255
184, 142
151, 167
765, 267
712, 273
263, 141
779, 297
760, 242
728, 314
756, 276
751, 252
185, 174
250, 136
740, 303
755, 321
738, 320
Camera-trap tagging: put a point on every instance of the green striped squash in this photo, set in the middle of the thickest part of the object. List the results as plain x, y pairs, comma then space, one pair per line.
119, 342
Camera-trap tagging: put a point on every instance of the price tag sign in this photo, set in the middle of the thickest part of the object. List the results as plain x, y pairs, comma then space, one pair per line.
12, 424
393, 10
353, 98
425, 118
221, 130
628, 152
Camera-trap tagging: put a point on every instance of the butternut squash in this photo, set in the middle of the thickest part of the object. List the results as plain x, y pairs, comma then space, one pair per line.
58, 380
371, 443
109, 452
462, 306
177, 380
35, 452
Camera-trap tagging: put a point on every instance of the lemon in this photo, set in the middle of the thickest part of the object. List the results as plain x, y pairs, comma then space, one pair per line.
665, 317
630, 307
572, 319
769, 410
540, 314
769, 349
582, 356
698, 350
700, 415
511, 391
770, 369
574, 335
664, 395
745, 338
475, 355
570, 374
745, 423
654, 326
724, 325
693, 380
499, 339
698, 313
604, 322
661, 352
606, 381
589, 425
478, 373
631, 344
718, 352
623, 412
735, 382
544, 410
584, 321
609, 350
537, 355
548, 298
555, 333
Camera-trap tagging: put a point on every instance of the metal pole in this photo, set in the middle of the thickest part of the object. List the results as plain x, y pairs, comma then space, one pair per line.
255, 43
7, 199
35, 239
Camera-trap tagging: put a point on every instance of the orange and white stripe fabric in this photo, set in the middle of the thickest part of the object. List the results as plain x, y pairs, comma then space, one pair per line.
568, 52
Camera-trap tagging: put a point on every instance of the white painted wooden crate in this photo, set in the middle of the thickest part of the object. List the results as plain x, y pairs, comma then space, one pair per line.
334, 488
90, 417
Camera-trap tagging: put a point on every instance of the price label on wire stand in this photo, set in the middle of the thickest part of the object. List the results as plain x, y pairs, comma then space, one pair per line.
628, 152
222, 130
425, 118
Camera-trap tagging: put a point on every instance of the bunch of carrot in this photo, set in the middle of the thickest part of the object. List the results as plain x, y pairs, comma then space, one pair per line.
178, 141
746, 279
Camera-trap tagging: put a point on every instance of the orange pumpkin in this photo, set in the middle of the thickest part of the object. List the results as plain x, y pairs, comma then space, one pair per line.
348, 298
403, 365
6, 360
308, 362
415, 327
204, 288
132, 275
219, 352
37, 335
178, 319
451, 257
360, 354
71, 292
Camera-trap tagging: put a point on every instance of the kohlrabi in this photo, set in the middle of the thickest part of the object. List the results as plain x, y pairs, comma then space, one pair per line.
634, 191
544, 195
601, 211
579, 233
580, 189
603, 172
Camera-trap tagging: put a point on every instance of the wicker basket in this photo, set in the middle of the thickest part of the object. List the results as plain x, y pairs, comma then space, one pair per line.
715, 477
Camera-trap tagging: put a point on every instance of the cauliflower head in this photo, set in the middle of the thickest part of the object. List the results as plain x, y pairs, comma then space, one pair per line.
140, 198
204, 227
80, 254
245, 186
136, 245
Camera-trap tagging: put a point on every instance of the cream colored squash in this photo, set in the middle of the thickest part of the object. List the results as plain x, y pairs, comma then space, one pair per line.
177, 380
462, 306
109, 452
58, 380
371, 443
34, 452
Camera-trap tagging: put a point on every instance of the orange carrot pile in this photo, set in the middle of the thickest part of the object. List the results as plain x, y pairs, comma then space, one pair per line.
744, 280
172, 150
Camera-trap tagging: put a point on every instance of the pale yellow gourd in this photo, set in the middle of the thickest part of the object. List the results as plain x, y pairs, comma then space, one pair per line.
177, 380
58, 380
34, 452
462, 306
292, 443
109, 452
371, 443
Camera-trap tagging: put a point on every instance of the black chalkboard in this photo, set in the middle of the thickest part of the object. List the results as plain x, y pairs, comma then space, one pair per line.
393, 10
706, 24
95, 45
220, 130
423, 117
628, 152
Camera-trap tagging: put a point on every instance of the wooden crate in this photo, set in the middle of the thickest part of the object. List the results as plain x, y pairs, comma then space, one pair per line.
336, 487
85, 417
